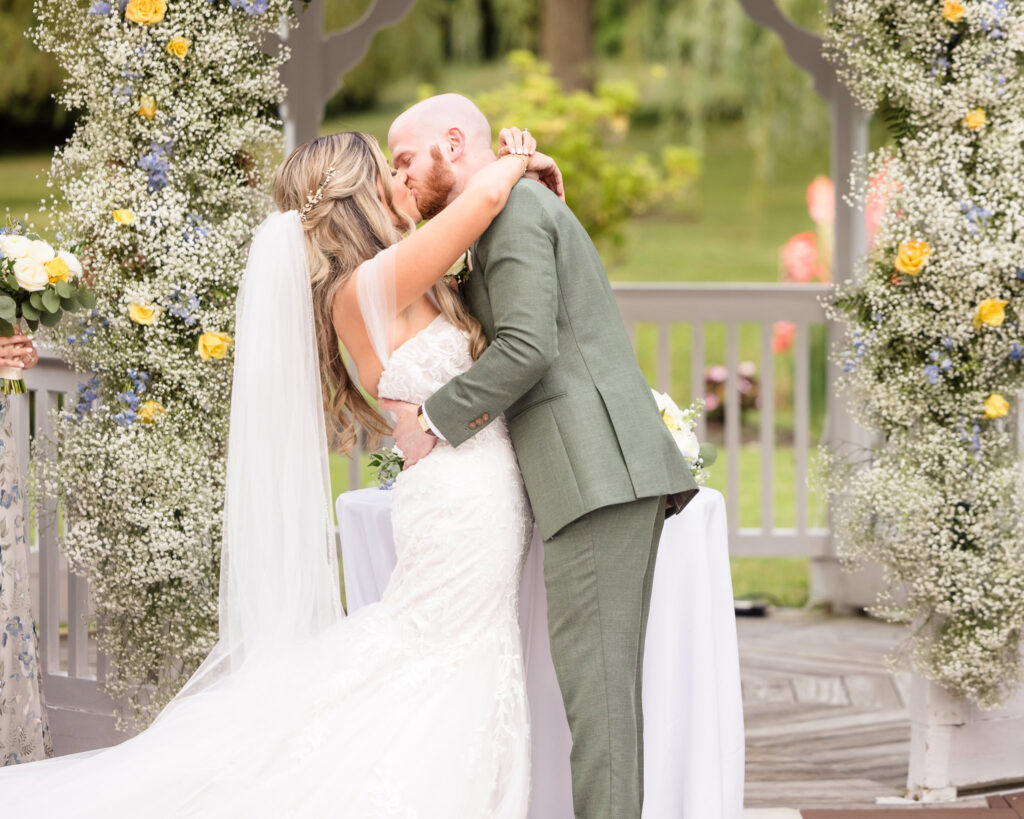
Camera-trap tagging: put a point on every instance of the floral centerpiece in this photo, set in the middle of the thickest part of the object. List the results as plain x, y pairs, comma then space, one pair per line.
164, 182
38, 284
934, 352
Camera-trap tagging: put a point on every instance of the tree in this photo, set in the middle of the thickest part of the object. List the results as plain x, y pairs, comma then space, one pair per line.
567, 42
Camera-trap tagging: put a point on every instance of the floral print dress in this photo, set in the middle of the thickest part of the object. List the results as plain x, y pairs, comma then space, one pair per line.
24, 729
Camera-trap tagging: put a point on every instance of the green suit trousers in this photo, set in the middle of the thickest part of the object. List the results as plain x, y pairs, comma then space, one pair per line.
598, 572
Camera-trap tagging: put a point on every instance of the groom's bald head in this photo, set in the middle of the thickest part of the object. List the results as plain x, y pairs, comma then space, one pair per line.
439, 143
434, 117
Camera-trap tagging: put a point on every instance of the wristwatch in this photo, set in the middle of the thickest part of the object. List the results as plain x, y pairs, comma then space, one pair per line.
422, 419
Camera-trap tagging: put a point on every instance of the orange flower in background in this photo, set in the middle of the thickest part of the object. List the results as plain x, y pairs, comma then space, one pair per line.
800, 259
783, 335
821, 200
880, 189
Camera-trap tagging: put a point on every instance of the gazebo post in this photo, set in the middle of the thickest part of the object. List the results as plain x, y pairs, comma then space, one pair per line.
313, 73
843, 591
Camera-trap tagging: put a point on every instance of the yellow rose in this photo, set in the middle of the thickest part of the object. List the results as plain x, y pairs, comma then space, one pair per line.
57, 270
976, 119
143, 313
953, 11
145, 12
214, 345
990, 312
912, 256
147, 107
179, 46
996, 406
150, 411
124, 216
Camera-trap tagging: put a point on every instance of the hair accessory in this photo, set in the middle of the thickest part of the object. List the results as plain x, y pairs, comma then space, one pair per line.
314, 198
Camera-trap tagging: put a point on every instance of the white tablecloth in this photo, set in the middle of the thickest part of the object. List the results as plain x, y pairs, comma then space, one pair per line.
693, 712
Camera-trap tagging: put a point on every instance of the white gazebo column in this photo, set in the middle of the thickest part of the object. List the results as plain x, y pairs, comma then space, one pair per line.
829, 584
313, 73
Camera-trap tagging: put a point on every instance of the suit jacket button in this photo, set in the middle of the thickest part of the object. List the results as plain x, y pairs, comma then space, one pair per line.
472, 424
486, 417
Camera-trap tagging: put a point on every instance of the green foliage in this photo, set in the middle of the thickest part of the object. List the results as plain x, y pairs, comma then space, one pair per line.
29, 78
604, 185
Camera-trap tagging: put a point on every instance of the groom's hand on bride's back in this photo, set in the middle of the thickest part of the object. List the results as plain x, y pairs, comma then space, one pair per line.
409, 435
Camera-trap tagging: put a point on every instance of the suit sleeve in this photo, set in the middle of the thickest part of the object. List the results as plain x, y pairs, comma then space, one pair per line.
517, 256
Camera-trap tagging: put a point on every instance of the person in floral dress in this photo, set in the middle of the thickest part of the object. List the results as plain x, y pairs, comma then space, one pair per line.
24, 729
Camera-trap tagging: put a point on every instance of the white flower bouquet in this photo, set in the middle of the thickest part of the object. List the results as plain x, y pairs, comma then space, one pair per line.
37, 284
682, 424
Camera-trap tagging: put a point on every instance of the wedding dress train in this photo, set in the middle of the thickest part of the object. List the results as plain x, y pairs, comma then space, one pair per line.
413, 707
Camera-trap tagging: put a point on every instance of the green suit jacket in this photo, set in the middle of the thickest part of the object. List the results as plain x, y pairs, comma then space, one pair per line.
560, 367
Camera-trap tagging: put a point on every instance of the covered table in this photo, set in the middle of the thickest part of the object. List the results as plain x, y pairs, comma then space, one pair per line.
693, 713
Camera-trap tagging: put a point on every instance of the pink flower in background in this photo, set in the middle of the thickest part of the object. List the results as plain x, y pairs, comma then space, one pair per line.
800, 261
783, 334
821, 200
878, 197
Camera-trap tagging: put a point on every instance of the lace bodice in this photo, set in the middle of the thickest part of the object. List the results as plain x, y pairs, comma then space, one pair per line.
426, 362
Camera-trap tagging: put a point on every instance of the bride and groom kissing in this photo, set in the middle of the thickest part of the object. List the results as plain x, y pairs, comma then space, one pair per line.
517, 399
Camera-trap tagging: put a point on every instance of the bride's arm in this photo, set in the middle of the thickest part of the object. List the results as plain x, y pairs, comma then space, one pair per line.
425, 255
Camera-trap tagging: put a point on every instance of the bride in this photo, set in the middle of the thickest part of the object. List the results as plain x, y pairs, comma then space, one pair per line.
415, 706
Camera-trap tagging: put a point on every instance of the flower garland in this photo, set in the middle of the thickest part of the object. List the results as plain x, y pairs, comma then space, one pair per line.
162, 186
933, 359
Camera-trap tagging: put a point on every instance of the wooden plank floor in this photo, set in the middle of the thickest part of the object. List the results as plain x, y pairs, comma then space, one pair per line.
827, 727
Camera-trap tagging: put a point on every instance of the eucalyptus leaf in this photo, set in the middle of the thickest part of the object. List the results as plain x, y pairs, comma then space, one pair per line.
708, 453
36, 300
86, 299
6, 328
70, 305
8, 308
64, 290
29, 312
51, 302
33, 324
51, 319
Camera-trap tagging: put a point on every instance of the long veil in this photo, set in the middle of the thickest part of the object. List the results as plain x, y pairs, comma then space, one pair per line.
279, 567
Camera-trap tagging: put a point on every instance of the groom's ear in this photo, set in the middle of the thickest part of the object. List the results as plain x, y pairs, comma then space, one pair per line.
456, 144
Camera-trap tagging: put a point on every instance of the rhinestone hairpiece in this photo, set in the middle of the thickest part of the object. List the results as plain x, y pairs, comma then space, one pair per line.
314, 198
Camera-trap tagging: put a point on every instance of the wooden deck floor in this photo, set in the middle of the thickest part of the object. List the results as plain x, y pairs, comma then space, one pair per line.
826, 723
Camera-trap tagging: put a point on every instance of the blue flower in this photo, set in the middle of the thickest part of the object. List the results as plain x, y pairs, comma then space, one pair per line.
125, 419
948, 343
931, 372
387, 484
252, 7
100, 7
195, 229
123, 94
129, 398
1016, 353
15, 626
976, 216
156, 163
184, 306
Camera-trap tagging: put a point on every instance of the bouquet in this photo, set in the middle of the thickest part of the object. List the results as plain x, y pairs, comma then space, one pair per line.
37, 284
388, 463
681, 423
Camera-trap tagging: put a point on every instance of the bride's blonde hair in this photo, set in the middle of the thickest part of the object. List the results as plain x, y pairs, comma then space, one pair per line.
344, 227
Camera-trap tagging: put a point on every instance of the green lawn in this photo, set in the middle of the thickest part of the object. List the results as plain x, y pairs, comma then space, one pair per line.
732, 231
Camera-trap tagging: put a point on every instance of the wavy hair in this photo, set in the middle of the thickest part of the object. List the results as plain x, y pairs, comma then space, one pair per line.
346, 226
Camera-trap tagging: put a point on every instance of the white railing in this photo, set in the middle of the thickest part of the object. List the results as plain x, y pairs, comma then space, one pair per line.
73, 671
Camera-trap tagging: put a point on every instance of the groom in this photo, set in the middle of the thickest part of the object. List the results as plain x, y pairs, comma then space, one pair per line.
600, 466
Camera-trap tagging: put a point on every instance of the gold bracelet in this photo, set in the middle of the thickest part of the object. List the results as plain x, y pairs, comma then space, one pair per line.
524, 157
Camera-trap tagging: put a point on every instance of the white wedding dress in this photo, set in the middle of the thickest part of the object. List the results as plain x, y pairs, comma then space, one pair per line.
413, 708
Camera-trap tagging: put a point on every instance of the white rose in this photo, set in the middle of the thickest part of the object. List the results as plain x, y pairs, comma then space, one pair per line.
72, 262
13, 245
31, 275
687, 443
40, 251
